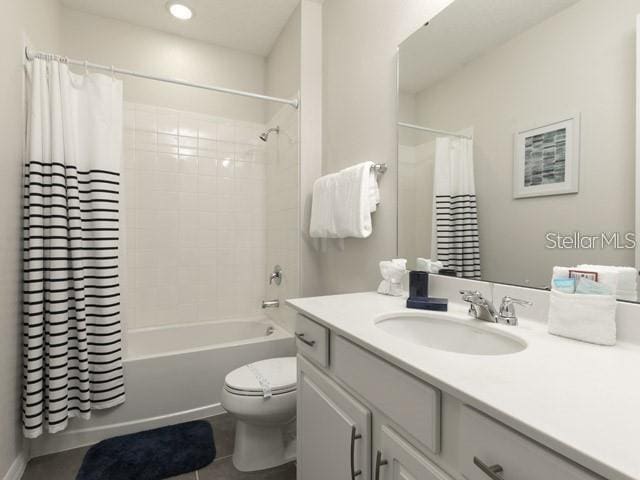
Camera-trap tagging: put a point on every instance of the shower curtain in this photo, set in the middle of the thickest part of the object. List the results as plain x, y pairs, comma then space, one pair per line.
455, 241
72, 361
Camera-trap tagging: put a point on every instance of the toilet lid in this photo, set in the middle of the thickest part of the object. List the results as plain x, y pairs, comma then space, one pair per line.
279, 373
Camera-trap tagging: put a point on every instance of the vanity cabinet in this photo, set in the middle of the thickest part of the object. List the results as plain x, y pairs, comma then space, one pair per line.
334, 429
362, 418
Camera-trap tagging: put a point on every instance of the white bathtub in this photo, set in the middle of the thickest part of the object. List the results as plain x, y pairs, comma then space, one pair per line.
174, 374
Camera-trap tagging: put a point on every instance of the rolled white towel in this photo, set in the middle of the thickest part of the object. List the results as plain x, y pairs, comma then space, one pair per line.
629, 295
428, 265
627, 276
392, 272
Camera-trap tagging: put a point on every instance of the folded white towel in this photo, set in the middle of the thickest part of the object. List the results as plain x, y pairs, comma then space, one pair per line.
627, 276
392, 273
343, 202
428, 265
589, 318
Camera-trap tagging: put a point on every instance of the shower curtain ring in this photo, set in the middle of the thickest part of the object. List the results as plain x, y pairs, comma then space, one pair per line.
86, 67
113, 73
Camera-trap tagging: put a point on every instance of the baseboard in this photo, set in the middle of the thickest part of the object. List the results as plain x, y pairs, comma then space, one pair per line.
17, 467
76, 438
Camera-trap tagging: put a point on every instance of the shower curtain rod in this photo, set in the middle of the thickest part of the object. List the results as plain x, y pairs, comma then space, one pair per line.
433, 130
31, 54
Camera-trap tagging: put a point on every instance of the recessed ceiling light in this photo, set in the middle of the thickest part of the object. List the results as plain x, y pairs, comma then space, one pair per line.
180, 10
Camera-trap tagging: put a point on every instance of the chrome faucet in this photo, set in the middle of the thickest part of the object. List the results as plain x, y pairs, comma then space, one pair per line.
276, 275
481, 308
270, 303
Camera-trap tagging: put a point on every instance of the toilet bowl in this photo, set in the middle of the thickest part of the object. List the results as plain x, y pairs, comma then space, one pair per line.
262, 398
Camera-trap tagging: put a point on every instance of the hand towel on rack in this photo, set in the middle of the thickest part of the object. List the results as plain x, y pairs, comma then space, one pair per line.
343, 202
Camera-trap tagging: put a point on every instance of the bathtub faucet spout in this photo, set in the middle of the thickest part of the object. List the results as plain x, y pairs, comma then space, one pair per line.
270, 303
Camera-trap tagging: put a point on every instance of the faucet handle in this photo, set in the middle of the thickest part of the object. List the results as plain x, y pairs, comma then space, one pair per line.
507, 311
469, 295
474, 293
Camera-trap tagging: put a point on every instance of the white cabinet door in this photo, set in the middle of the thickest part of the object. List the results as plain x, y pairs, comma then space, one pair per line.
398, 460
334, 429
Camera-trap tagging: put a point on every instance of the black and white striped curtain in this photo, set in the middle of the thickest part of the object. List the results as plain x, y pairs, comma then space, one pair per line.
455, 242
72, 357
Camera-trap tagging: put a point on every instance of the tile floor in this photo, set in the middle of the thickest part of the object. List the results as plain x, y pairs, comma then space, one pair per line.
65, 465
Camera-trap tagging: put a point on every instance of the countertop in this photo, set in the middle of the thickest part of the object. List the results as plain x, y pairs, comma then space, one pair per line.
581, 400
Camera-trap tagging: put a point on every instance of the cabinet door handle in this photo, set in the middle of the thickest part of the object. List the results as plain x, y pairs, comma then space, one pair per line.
491, 471
354, 436
379, 462
300, 336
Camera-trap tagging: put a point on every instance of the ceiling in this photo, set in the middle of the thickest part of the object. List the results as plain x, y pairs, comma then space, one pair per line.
247, 25
463, 31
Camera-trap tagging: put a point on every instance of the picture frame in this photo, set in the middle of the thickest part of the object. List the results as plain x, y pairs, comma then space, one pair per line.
546, 159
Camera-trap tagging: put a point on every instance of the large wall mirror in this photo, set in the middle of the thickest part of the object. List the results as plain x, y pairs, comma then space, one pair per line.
517, 136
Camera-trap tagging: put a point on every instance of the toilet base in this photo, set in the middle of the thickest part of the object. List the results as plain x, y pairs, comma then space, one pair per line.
258, 447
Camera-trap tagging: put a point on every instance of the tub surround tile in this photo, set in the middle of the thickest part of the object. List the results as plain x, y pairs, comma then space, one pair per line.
190, 180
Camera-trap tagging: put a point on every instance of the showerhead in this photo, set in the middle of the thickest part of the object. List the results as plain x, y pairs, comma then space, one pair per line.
264, 136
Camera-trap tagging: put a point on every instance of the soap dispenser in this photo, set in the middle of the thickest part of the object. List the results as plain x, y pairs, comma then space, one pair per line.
419, 294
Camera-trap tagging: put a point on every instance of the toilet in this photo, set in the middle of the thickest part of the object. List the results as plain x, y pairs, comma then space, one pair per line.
262, 398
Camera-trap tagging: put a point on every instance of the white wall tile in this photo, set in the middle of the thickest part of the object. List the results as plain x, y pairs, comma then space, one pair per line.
195, 220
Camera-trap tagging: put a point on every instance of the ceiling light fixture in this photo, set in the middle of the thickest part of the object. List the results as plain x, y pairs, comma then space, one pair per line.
180, 10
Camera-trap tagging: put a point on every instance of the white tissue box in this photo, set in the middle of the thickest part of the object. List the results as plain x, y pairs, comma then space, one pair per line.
588, 318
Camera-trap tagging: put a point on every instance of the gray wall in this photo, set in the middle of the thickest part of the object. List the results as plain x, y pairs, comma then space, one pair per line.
113, 42
35, 21
360, 40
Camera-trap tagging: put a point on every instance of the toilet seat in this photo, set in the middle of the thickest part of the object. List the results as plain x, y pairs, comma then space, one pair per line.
279, 373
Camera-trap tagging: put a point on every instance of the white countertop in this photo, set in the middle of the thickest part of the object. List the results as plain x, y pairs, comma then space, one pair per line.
578, 399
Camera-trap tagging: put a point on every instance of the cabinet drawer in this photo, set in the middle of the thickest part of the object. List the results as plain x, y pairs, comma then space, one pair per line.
312, 340
412, 404
519, 458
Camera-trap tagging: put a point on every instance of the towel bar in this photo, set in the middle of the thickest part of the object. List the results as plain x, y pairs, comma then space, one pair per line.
380, 167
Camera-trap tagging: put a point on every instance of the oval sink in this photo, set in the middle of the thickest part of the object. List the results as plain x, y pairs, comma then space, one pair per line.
449, 334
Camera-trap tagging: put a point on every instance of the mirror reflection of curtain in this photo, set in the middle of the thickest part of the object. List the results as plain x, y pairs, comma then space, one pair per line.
455, 239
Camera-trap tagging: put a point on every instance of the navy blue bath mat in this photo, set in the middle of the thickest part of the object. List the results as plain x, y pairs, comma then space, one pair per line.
152, 455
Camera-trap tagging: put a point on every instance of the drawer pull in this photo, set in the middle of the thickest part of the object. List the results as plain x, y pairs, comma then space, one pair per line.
354, 436
492, 471
379, 462
300, 336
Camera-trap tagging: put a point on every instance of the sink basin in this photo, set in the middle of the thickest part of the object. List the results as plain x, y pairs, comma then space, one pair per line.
449, 334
